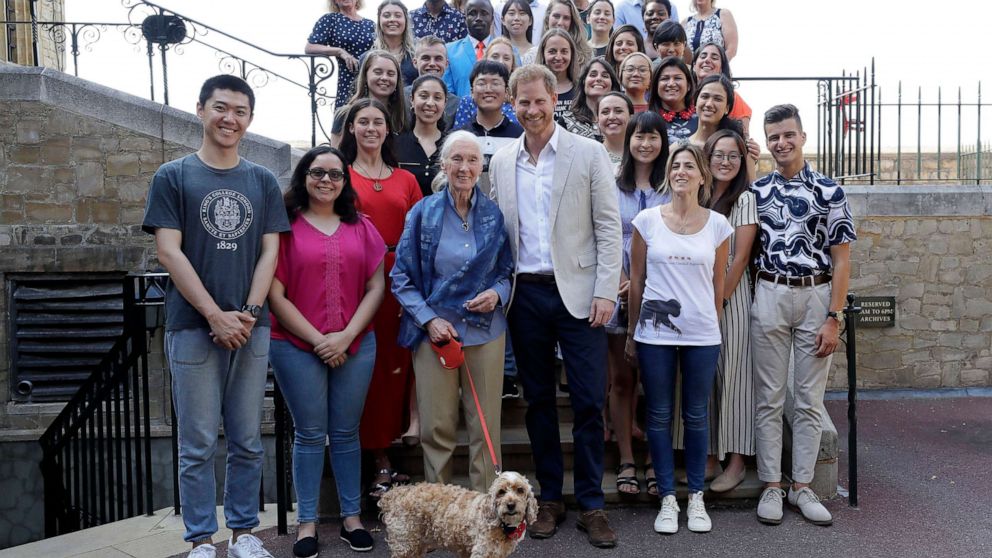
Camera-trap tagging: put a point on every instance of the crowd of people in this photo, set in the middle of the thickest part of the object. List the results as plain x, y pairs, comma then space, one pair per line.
536, 181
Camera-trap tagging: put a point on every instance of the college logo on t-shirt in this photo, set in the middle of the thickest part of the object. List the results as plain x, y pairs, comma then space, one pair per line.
226, 214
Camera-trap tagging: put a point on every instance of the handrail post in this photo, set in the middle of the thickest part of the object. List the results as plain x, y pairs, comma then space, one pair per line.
282, 494
851, 312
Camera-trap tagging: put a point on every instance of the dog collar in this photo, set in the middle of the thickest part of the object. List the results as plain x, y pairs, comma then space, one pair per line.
514, 533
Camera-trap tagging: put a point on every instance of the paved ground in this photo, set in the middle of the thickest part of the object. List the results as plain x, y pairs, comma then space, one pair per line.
924, 491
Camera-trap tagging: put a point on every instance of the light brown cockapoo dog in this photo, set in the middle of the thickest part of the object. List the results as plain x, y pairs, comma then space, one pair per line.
426, 516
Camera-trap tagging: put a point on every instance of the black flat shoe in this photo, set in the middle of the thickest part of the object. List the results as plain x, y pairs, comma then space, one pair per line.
306, 547
359, 540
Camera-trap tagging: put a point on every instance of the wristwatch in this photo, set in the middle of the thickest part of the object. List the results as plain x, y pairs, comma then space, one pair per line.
253, 309
837, 316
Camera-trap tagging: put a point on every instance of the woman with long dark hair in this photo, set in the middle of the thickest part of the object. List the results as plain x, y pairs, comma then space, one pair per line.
417, 147
385, 194
732, 426
642, 173
518, 26
671, 90
612, 116
323, 358
711, 59
595, 80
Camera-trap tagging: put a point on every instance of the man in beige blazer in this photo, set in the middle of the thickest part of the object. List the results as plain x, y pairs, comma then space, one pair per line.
558, 195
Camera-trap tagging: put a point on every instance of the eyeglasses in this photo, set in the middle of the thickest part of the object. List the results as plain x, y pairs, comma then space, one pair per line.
317, 173
489, 85
720, 156
637, 70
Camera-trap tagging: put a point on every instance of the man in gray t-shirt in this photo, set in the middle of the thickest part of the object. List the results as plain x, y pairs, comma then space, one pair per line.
216, 220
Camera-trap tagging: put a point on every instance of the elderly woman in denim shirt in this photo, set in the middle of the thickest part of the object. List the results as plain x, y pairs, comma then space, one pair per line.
452, 278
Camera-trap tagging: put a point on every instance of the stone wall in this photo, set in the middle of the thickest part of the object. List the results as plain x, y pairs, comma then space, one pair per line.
75, 164
929, 247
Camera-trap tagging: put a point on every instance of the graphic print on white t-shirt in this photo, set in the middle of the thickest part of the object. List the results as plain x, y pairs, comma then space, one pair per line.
677, 307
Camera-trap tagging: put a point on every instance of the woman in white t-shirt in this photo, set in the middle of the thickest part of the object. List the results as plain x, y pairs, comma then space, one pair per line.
678, 265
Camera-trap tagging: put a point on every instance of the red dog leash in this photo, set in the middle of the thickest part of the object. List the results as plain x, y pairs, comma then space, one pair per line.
452, 357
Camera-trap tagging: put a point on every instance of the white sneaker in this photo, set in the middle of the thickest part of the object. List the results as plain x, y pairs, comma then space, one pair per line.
770, 506
203, 551
667, 521
809, 505
248, 546
699, 520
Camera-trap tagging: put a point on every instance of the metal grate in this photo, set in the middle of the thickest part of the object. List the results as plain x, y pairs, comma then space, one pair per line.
60, 329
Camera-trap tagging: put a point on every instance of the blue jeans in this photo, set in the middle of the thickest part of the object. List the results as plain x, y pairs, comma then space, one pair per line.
659, 366
210, 383
538, 319
325, 401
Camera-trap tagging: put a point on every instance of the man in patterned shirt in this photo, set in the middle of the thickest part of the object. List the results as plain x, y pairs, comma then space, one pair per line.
803, 272
439, 19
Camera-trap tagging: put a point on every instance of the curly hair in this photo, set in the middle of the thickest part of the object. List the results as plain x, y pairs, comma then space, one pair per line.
297, 199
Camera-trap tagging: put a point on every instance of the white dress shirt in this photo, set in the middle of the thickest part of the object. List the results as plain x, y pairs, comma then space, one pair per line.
534, 207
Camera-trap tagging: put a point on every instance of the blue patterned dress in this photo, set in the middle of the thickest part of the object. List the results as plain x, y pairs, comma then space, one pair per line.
355, 37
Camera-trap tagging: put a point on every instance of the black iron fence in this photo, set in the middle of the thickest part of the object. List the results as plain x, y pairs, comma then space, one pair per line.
96, 454
160, 33
919, 137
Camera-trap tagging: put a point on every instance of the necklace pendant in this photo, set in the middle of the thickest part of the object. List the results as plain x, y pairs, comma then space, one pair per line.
465, 226
377, 186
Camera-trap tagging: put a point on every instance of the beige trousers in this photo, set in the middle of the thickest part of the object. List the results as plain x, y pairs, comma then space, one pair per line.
438, 397
784, 321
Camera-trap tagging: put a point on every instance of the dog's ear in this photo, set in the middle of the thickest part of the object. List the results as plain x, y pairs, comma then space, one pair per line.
490, 510
531, 506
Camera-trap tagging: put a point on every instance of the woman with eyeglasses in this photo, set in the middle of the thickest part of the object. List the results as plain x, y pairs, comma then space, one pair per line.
323, 355
635, 75
732, 424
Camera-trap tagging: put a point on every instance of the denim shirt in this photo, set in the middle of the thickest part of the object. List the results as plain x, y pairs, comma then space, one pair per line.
430, 280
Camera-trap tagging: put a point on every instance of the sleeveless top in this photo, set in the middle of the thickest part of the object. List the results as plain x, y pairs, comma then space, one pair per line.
702, 31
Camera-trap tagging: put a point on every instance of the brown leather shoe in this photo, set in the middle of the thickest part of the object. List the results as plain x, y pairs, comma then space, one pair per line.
550, 514
597, 528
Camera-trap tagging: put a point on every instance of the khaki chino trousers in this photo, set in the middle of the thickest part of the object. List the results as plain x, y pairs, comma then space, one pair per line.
439, 392
785, 321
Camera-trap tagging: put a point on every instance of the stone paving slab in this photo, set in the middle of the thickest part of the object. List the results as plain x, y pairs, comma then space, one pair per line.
924, 492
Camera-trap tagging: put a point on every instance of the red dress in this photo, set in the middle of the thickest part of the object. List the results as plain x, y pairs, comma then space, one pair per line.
386, 403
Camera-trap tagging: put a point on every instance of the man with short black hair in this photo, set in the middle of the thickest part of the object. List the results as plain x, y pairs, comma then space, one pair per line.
803, 273
464, 53
216, 219
490, 80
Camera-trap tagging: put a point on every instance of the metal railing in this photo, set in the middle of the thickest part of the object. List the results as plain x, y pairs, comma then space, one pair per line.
932, 142
159, 31
96, 454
